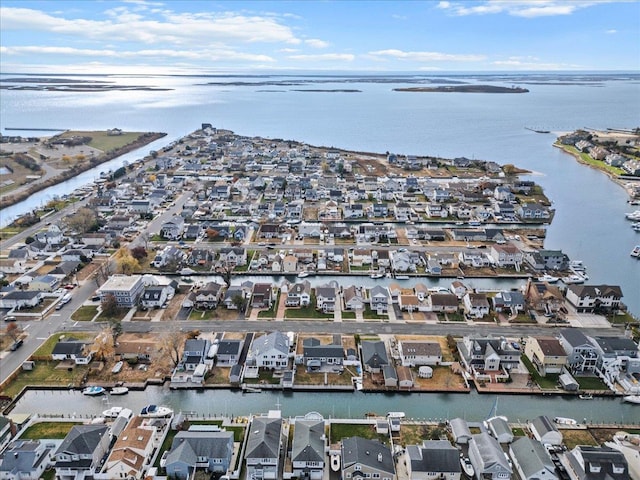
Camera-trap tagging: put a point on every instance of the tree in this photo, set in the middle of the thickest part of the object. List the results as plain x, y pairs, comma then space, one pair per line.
212, 233
171, 344
238, 301
103, 272
14, 331
82, 221
138, 252
110, 305
103, 346
226, 272
127, 264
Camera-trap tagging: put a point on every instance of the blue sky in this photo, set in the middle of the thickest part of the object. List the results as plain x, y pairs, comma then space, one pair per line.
137, 36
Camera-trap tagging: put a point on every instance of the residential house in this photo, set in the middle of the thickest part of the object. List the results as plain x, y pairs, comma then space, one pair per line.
390, 376
488, 459
25, 459
208, 297
476, 305
43, 283
326, 297
194, 353
460, 430
353, 298
443, 303
232, 256
507, 255
433, 460
138, 349
155, 296
546, 354
374, 356
262, 453
290, 264
20, 299
458, 288
533, 211
500, 429
71, 349
531, 460
315, 355
591, 463
364, 458
13, 265
202, 257
81, 452
169, 256
594, 298
262, 295
132, 452
299, 294
545, 431
487, 354
582, 354
270, 351
211, 451
308, 449
126, 289
544, 297
228, 352
379, 299
173, 228
233, 295
511, 301
416, 353
547, 260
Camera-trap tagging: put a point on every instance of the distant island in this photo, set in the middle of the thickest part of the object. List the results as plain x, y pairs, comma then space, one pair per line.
465, 89
332, 90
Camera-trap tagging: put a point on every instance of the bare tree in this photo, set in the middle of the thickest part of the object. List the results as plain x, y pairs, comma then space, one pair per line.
14, 331
82, 221
110, 305
103, 272
171, 344
103, 346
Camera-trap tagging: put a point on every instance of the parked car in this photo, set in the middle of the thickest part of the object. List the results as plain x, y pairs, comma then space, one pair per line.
16, 345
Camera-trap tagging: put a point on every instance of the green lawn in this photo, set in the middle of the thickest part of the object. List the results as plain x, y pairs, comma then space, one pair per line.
104, 142
264, 375
548, 382
307, 312
591, 383
344, 430
49, 430
371, 315
599, 164
118, 316
348, 315
46, 373
47, 347
85, 313
271, 313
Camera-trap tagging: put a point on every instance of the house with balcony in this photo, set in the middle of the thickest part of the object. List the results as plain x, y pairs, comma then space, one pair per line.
506, 256
594, 298
308, 449
25, 459
262, 453
262, 295
173, 228
209, 451
433, 460
476, 305
326, 298
546, 354
299, 294
270, 351
488, 358
379, 299
488, 459
544, 297
416, 353
353, 298
80, 454
209, 296
508, 301
582, 354
589, 462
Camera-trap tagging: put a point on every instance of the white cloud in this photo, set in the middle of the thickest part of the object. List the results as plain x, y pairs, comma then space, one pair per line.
516, 64
520, 8
324, 56
611, 32
288, 50
426, 56
316, 43
121, 24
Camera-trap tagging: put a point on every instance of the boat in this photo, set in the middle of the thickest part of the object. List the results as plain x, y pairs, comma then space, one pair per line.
466, 466
303, 274
635, 215
636, 226
565, 421
402, 277
335, 462
635, 252
112, 412
548, 278
251, 390
119, 391
117, 367
585, 396
572, 279
377, 275
154, 411
395, 415
632, 399
93, 391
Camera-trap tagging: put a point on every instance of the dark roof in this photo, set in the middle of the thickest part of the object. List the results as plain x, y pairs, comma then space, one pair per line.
308, 441
367, 452
229, 347
596, 290
607, 463
71, 347
434, 456
264, 438
200, 444
374, 354
81, 440
575, 337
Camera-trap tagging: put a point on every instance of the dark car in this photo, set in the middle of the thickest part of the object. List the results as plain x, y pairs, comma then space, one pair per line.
16, 345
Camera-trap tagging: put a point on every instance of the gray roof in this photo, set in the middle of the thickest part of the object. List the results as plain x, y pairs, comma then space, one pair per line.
367, 452
21, 457
459, 428
374, 354
325, 351
81, 440
501, 429
71, 347
264, 438
490, 452
276, 340
532, 457
605, 458
434, 456
308, 441
229, 347
188, 446
575, 337
542, 424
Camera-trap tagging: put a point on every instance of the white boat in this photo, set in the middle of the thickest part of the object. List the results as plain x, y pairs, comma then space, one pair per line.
154, 411
635, 252
466, 466
119, 391
565, 421
376, 275
402, 277
636, 226
303, 274
112, 412
395, 414
571, 279
93, 391
548, 278
585, 396
335, 462
632, 399
117, 367
635, 215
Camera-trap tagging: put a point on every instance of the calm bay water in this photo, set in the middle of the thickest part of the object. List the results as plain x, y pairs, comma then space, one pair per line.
589, 223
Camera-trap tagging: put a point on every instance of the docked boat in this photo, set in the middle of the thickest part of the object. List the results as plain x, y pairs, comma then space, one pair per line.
154, 411
119, 391
632, 399
572, 279
635, 215
112, 412
93, 391
548, 278
402, 277
585, 396
636, 226
635, 252
377, 275
335, 462
303, 274
565, 421
467, 466
395, 414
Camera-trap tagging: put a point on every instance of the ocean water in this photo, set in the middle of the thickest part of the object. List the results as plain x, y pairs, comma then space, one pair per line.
589, 223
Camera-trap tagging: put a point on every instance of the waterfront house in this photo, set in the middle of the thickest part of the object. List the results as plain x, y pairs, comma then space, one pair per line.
545, 431
533, 211
353, 298
71, 349
132, 453
374, 356
81, 452
308, 449
192, 450
364, 458
443, 303
486, 357
126, 289
543, 297
416, 353
507, 255
194, 353
500, 429
326, 298
618, 361
232, 256
476, 305
586, 462
132, 347
169, 256
510, 301
531, 460
433, 460
488, 459
547, 260
209, 296
155, 296
235, 297
594, 298
460, 430
269, 351
546, 354
379, 299
262, 295
316, 355
25, 459
262, 453
228, 352
582, 355
299, 294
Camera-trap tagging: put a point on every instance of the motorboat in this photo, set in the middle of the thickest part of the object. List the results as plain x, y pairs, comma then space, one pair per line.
303, 274
119, 391
585, 396
565, 421
548, 278
632, 399
112, 412
635, 252
335, 462
572, 279
376, 275
636, 226
117, 367
93, 391
395, 414
635, 215
155, 411
467, 466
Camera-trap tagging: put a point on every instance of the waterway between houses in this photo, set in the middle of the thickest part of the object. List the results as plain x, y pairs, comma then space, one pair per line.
417, 406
